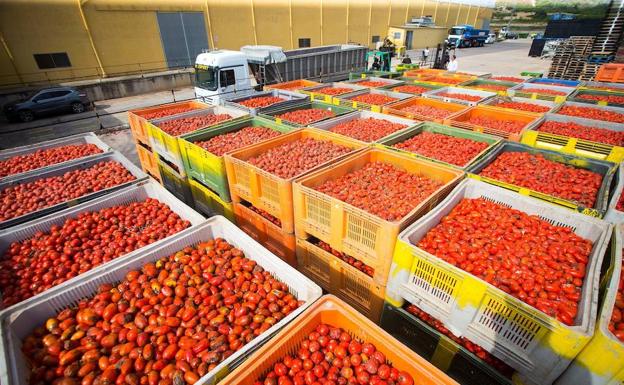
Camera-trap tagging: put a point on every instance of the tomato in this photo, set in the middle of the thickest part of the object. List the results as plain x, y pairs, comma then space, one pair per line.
19, 199
261, 101
546, 176
294, 158
181, 126
371, 83
616, 324
580, 131
333, 90
457, 151
368, 129
525, 256
457, 95
592, 113
374, 99
381, 189
610, 99
510, 126
530, 107
184, 335
276, 221
220, 144
166, 112
507, 79
446, 80
543, 91
306, 116
348, 259
41, 158
407, 89
427, 112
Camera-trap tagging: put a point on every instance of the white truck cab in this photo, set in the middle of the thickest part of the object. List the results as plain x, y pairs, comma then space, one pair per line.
221, 75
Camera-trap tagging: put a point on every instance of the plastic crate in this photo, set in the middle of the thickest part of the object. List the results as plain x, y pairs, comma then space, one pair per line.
293, 85
316, 95
60, 169
290, 99
136, 193
459, 120
524, 90
175, 183
139, 125
484, 95
478, 83
587, 121
330, 107
388, 82
537, 346
611, 72
556, 82
20, 321
603, 86
208, 202
440, 79
341, 279
613, 215
346, 100
354, 231
209, 168
606, 169
267, 191
575, 146
422, 73
601, 361
327, 125
412, 82
402, 136
266, 233
575, 97
86, 138
331, 310
396, 108
494, 102
453, 359
148, 160
379, 74
167, 146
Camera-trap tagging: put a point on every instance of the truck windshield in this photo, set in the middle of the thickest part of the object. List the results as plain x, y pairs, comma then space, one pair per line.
456, 31
206, 77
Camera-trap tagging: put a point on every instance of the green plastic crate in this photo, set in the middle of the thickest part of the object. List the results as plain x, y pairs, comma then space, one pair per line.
492, 141
209, 168
175, 183
377, 74
337, 110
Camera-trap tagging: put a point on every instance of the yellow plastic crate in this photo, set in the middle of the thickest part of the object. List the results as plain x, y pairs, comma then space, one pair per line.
341, 279
539, 347
267, 191
208, 202
148, 160
602, 361
351, 230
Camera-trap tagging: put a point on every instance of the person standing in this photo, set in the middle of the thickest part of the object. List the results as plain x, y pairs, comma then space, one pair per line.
453, 64
425, 54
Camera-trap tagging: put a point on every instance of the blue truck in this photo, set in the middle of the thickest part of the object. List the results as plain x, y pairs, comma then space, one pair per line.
464, 36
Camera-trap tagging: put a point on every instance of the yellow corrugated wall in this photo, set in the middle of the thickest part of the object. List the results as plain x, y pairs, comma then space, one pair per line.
123, 36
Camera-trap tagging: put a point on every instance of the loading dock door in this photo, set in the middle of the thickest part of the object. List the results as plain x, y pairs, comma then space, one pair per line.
183, 36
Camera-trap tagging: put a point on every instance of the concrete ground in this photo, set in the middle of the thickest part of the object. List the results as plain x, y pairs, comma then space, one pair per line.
110, 117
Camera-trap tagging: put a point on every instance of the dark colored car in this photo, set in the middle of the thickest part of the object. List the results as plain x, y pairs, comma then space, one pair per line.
47, 101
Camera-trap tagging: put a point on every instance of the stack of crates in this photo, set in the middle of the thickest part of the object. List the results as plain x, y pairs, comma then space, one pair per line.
331, 233
263, 202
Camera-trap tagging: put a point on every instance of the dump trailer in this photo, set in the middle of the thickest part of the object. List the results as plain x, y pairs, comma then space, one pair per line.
463, 36
224, 74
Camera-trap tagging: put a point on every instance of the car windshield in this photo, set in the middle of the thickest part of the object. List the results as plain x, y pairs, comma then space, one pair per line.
206, 77
457, 31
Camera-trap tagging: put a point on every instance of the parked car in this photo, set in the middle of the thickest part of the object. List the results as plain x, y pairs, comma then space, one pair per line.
491, 39
47, 101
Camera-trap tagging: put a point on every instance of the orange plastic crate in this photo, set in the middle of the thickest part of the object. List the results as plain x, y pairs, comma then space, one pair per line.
292, 85
354, 231
395, 108
611, 72
459, 120
267, 191
422, 72
148, 160
266, 233
341, 279
333, 311
138, 124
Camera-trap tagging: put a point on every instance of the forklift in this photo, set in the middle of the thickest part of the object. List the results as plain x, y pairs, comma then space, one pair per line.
381, 60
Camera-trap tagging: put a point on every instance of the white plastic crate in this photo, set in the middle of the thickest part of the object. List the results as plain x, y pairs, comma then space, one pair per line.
538, 346
61, 169
613, 215
484, 95
136, 193
18, 322
86, 138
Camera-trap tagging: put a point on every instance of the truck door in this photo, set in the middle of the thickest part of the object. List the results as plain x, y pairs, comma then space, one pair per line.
233, 81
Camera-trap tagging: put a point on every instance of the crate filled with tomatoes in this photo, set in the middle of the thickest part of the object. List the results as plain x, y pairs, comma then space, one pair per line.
267, 101
601, 98
174, 318
263, 174
413, 87
366, 126
460, 95
600, 362
494, 121
461, 359
541, 91
588, 112
615, 211
326, 92
372, 99
374, 82
449, 79
450, 146
500, 87
293, 85
165, 132
424, 109
536, 106
574, 182
486, 263
305, 114
373, 355
587, 138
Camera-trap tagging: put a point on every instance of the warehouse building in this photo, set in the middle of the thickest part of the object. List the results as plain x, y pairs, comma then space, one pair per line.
81, 39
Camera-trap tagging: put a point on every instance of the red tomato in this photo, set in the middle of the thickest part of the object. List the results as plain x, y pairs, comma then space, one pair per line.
47, 157
616, 324
491, 87
446, 80
575, 130
367, 130
348, 259
334, 90
592, 113
220, 144
457, 151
